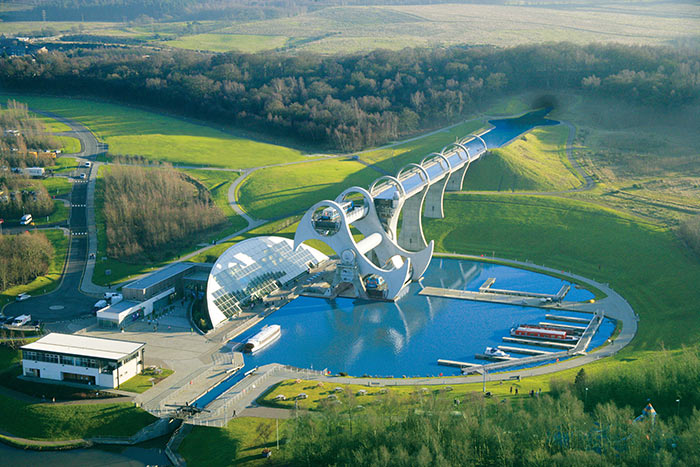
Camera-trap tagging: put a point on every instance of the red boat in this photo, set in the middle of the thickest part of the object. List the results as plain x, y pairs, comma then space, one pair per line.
540, 332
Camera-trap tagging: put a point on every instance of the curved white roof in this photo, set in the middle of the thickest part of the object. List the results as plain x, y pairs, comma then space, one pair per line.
252, 268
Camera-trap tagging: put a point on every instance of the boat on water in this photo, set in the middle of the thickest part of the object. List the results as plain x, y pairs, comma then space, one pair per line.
495, 352
266, 336
541, 332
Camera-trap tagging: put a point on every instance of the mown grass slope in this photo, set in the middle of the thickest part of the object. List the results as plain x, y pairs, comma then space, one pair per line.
131, 131
62, 422
280, 191
533, 162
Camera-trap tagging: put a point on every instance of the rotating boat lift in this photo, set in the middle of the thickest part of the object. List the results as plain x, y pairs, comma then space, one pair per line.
381, 264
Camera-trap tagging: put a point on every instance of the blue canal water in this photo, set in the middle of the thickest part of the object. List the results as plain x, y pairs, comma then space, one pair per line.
506, 129
409, 336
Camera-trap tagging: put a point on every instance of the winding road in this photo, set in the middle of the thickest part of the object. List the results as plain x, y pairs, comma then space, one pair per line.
68, 302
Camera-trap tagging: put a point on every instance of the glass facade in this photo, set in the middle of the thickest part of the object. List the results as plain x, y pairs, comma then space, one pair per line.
252, 269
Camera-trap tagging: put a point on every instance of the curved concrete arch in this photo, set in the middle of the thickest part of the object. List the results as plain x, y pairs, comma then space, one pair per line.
461, 146
421, 170
435, 155
390, 178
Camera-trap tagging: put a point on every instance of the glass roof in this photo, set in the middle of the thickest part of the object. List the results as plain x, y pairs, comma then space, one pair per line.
253, 268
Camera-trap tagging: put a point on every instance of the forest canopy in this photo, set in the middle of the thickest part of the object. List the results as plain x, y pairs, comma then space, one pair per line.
23, 258
150, 213
359, 100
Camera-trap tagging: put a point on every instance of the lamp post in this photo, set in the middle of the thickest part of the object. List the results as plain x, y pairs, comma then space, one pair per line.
678, 407
585, 400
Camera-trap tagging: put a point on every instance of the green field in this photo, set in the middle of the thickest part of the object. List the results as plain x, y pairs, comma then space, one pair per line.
356, 28
145, 381
57, 186
535, 161
65, 164
596, 242
46, 283
130, 131
238, 443
296, 187
228, 42
69, 145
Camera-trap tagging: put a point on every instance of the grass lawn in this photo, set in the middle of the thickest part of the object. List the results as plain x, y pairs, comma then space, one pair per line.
51, 124
131, 131
8, 357
584, 238
142, 382
238, 443
59, 422
57, 186
535, 161
396, 157
65, 164
227, 42
69, 145
50, 281
297, 187
59, 214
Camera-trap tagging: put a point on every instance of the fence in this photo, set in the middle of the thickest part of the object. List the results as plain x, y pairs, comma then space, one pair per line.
221, 415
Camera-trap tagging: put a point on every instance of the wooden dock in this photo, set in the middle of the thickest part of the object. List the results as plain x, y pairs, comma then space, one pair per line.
455, 363
567, 319
520, 350
493, 358
588, 334
539, 343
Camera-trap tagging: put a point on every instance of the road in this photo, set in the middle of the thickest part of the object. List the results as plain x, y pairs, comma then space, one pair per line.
68, 302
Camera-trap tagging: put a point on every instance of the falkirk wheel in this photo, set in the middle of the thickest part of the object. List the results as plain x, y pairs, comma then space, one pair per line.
382, 263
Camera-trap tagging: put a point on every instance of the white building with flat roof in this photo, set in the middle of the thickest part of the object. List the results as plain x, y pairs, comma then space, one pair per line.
82, 359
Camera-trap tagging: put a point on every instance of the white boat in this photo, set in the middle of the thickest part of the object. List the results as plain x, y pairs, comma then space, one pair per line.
495, 352
266, 336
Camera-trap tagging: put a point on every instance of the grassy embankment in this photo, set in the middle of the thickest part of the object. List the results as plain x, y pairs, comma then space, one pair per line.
238, 443
280, 191
156, 137
50, 281
69, 145
145, 380
644, 159
534, 162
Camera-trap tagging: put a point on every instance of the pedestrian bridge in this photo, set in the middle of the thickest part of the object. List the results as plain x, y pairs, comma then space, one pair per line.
361, 225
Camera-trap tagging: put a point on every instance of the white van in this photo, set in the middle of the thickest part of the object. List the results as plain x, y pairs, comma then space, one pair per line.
21, 320
26, 219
